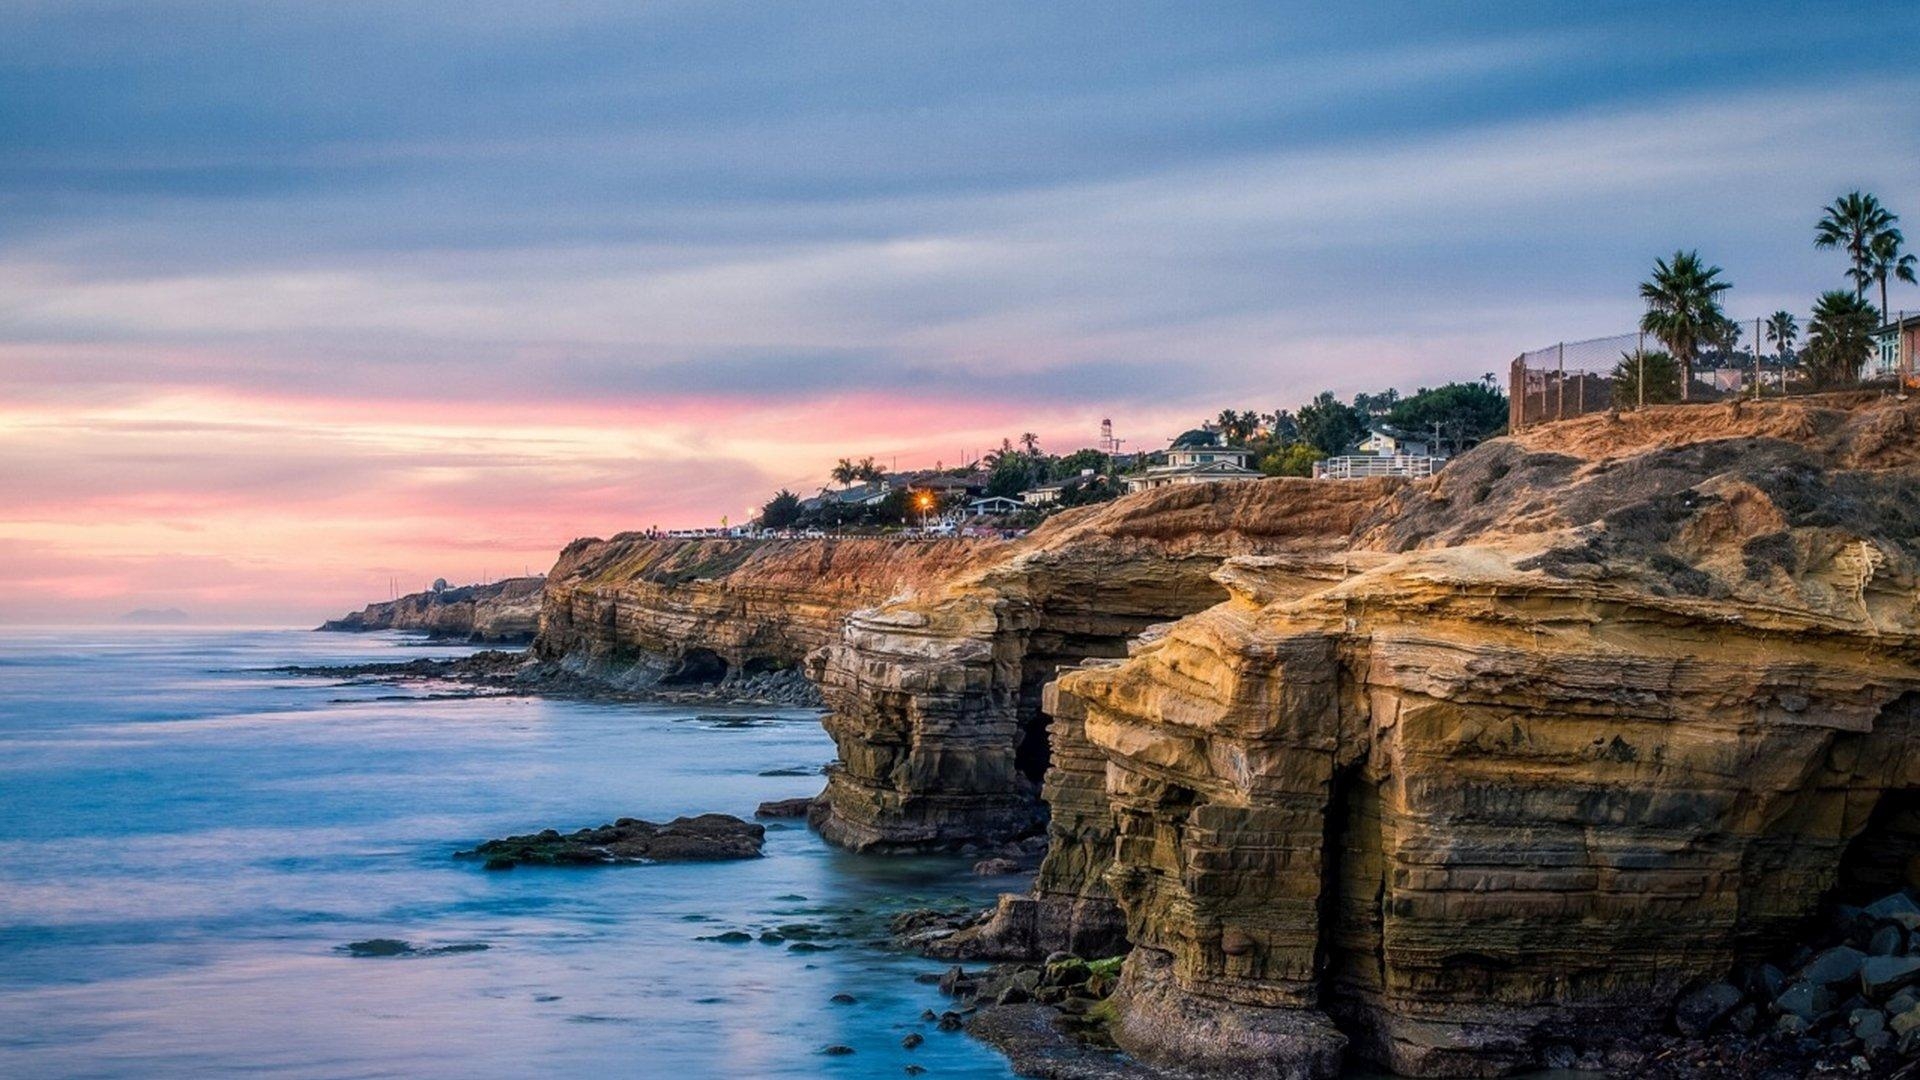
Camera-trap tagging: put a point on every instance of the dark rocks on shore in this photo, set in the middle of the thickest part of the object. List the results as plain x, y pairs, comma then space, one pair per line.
498, 671
1843, 1000
707, 837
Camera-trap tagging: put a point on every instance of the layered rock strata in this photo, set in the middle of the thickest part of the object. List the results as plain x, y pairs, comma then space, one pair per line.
935, 698
500, 612
640, 611
1592, 714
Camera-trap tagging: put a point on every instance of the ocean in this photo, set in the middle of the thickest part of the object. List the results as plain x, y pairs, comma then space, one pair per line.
189, 840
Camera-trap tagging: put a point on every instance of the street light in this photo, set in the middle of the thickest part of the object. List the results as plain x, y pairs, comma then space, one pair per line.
924, 500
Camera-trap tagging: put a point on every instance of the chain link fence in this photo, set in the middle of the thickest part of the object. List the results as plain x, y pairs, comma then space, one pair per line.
1572, 378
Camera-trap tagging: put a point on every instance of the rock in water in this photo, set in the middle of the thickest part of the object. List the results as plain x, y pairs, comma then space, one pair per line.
784, 808
704, 838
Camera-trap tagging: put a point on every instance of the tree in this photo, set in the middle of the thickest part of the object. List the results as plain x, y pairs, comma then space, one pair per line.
1683, 308
1073, 464
1283, 426
868, 471
1030, 443
843, 472
1329, 425
1464, 413
1839, 339
1294, 460
1886, 259
1238, 427
1014, 472
1782, 331
1854, 222
1661, 375
781, 511
1377, 404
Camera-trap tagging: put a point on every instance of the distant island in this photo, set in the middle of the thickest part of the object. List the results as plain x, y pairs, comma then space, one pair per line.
155, 616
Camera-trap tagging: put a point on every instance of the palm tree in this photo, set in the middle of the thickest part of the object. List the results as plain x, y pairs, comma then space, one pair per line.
1854, 222
1840, 338
1782, 331
1031, 443
1885, 258
844, 472
1683, 308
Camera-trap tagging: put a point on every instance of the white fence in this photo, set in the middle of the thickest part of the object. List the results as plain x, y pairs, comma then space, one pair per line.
1362, 466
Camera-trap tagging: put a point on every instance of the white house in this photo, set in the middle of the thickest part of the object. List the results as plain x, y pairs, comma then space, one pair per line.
993, 506
1392, 442
1191, 461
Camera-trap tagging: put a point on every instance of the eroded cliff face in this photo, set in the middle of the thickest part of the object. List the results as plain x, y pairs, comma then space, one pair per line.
501, 611
1580, 721
936, 697
644, 611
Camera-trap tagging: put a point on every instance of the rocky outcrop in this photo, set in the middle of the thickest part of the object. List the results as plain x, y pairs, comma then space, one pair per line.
640, 611
935, 698
1581, 722
503, 611
705, 838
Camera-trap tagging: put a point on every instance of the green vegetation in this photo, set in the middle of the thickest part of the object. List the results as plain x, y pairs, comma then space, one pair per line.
1854, 223
1329, 425
1463, 414
1839, 339
1294, 460
1661, 375
781, 511
1782, 331
1683, 309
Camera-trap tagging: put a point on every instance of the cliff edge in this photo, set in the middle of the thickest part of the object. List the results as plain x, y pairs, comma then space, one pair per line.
1589, 717
503, 612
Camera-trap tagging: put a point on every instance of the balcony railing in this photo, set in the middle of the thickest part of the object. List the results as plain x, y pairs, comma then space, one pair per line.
1362, 466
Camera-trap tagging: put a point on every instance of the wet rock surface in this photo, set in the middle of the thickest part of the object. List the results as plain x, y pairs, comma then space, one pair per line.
784, 808
707, 837
496, 671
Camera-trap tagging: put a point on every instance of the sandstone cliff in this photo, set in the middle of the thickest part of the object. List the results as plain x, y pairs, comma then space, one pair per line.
1582, 720
502, 611
935, 697
644, 611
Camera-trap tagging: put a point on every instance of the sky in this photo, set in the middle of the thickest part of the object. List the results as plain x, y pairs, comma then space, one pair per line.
301, 299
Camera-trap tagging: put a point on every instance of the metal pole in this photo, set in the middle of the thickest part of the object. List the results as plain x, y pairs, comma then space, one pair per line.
1560, 385
1756, 359
1640, 366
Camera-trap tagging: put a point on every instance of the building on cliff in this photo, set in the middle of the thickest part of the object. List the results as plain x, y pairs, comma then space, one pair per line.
1196, 460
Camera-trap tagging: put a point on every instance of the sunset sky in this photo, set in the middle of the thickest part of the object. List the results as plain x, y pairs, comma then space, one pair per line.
298, 298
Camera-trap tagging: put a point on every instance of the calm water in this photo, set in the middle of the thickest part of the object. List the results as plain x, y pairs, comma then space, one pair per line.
186, 841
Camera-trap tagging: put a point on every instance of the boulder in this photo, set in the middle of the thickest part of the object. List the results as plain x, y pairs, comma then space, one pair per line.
1699, 1010
1888, 940
1894, 906
628, 840
784, 808
1808, 1001
1904, 1022
1840, 964
1882, 976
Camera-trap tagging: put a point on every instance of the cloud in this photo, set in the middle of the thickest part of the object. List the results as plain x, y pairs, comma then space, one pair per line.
443, 282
